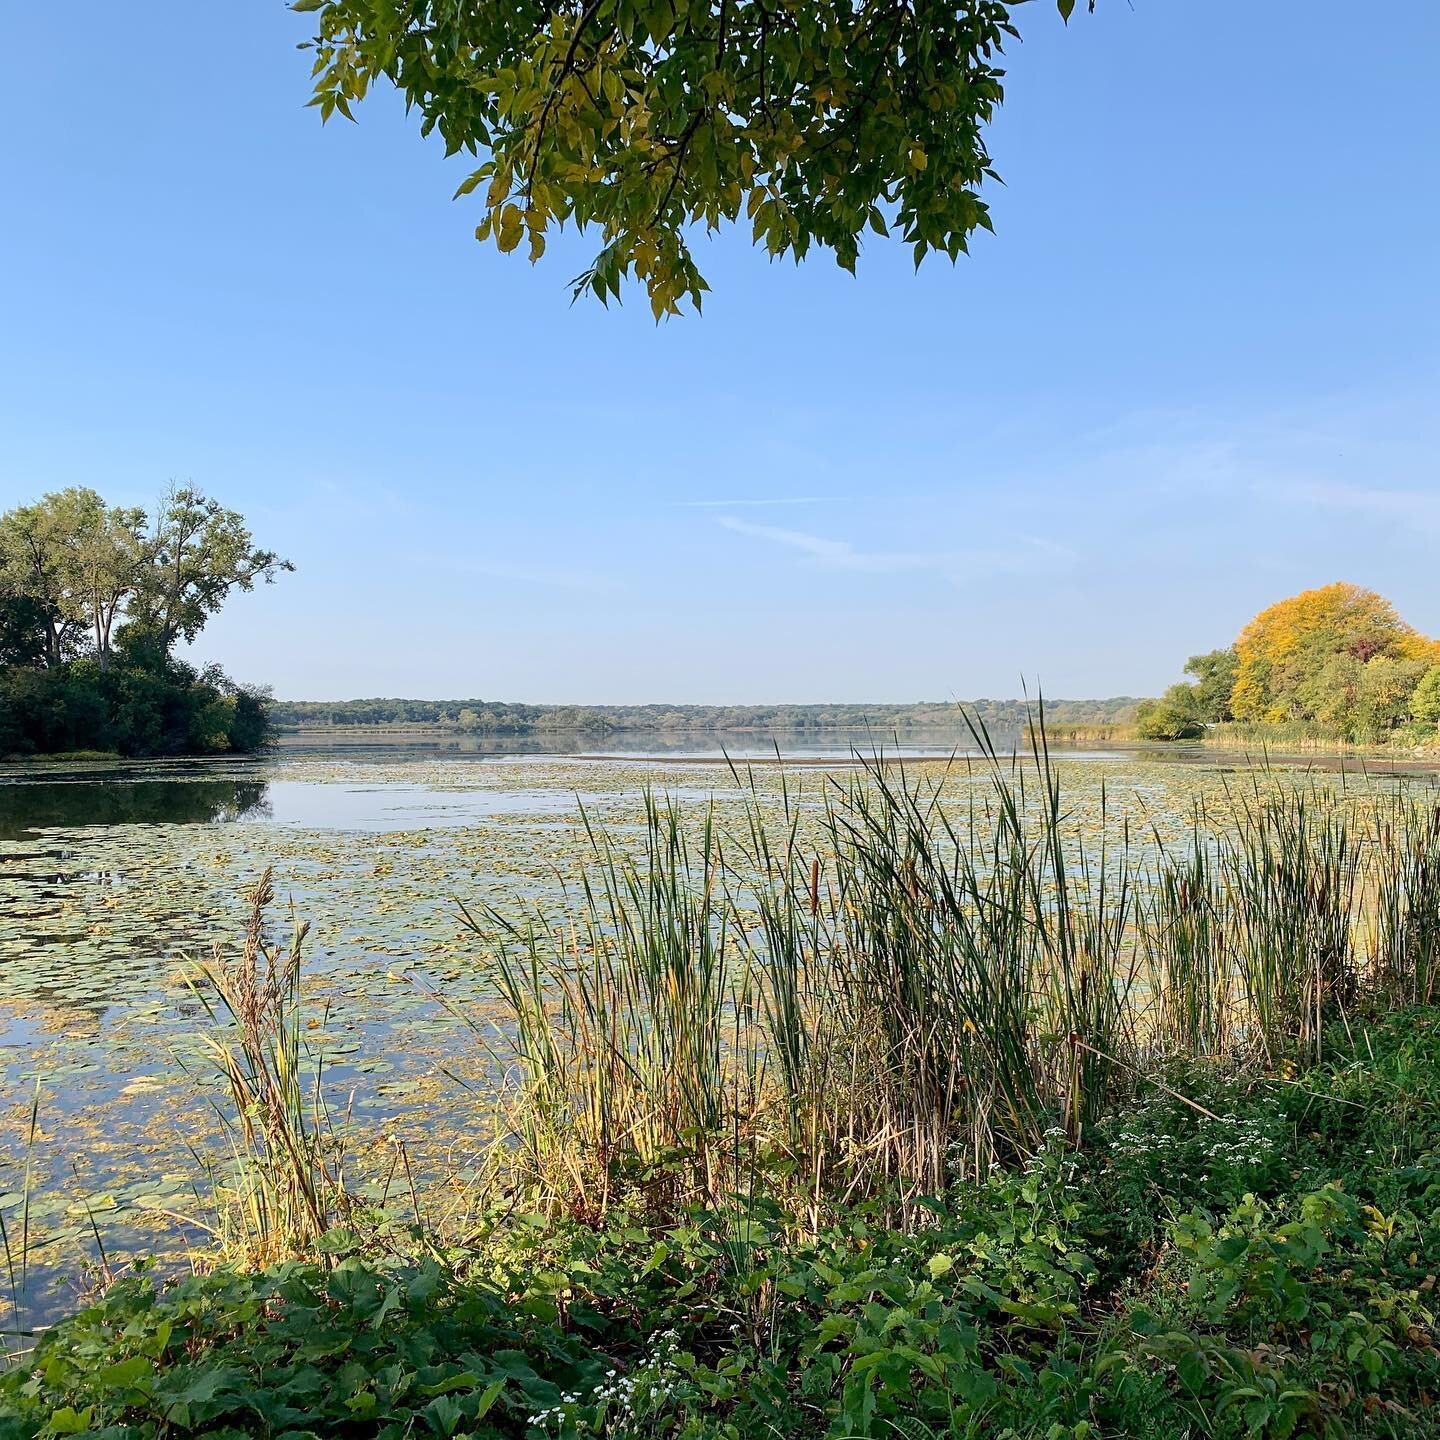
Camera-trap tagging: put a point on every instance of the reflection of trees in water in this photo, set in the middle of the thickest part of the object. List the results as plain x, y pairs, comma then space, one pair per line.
47, 804
829, 740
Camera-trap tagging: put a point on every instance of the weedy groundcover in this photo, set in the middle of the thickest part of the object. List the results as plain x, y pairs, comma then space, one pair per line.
1267, 1270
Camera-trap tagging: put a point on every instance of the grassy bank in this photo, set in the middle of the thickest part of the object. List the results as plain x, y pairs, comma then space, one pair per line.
1097, 734
875, 1119
67, 757
1303, 739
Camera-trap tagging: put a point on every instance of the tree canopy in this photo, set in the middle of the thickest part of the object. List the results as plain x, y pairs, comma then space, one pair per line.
1338, 658
814, 120
93, 598
81, 566
198, 553
1295, 657
1184, 710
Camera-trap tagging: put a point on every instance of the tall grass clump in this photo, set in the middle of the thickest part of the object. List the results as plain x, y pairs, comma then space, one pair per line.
283, 1188
1291, 871
881, 991
1405, 952
872, 997
1082, 900
957, 989
629, 1072
1187, 942
914, 1016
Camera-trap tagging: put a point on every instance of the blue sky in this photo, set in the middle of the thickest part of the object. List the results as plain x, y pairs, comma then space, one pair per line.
1195, 370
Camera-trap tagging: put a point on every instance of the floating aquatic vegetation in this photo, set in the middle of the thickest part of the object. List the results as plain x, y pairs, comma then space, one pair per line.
106, 899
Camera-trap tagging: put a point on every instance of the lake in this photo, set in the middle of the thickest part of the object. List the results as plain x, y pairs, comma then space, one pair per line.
115, 878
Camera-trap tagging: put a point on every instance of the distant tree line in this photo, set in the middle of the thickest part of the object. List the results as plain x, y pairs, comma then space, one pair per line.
1337, 661
94, 598
501, 718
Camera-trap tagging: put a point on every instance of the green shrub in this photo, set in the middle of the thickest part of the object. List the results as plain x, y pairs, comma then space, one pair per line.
1173, 717
142, 705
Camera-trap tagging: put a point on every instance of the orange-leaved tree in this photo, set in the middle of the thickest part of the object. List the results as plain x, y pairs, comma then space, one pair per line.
1294, 656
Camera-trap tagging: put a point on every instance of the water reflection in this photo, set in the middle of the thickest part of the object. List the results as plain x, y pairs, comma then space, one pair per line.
838, 742
59, 804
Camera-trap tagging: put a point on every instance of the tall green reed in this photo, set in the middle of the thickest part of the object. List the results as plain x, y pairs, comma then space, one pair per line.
16, 1246
911, 979
1405, 946
1291, 872
879, 1000
1186, 937
625, 1029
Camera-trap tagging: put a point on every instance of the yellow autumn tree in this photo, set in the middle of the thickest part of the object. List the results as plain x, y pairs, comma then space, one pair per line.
1288, 655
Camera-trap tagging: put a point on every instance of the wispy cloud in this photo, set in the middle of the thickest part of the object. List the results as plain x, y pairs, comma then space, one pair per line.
1014, 554
1413, 506
756, 504
1051, 547
837, 554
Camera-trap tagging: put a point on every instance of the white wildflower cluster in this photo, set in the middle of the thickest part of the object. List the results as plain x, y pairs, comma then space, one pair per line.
567, 1411
1233, 1142
620, 1407
1055, 1158
1133, 1139
1240, 1144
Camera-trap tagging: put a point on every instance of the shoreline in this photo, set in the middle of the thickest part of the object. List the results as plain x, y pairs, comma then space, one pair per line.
296, 746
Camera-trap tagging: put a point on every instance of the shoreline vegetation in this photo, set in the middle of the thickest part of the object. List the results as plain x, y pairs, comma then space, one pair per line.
481, 717
1330, 667
879, 1118
94, 599
1260, 739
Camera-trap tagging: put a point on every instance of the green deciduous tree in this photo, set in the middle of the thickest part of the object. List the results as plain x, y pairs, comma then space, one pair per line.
74, 560
1361, 700
1175, 715
105, 563
197, 553
1214, 674
22, 631
1387, 688
813, 120
92, 599
1425, 703
36, 574
1330, 694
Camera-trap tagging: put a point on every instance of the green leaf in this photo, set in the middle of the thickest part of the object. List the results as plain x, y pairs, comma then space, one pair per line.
466, 1380
488, 1397
68, 1422
444, 1414
126, 1374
